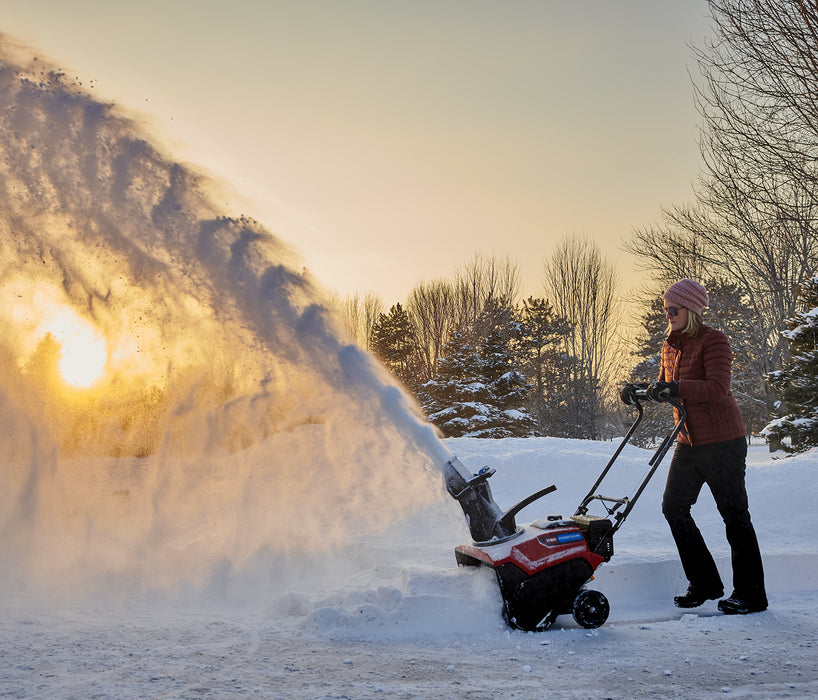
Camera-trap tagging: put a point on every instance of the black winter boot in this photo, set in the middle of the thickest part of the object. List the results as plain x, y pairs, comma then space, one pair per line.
737, 605
696, 597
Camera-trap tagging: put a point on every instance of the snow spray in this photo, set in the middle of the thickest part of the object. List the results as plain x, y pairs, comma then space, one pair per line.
221, 417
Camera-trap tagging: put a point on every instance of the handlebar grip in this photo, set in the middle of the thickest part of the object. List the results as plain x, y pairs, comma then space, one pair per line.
665, 397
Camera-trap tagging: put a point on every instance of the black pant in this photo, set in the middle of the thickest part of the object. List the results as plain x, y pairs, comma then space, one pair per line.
721, 466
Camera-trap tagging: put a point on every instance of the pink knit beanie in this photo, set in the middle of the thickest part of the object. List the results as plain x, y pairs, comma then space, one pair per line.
689, 294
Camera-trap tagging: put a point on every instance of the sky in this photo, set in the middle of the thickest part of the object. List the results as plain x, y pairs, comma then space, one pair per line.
388, 142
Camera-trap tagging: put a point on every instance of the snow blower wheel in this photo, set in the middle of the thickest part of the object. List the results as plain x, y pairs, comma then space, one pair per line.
590, 609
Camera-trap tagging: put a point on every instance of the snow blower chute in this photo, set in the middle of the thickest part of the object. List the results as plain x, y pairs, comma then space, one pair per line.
542, 567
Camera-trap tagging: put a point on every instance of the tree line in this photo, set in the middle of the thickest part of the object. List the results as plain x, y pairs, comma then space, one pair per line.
749, 235
483, 362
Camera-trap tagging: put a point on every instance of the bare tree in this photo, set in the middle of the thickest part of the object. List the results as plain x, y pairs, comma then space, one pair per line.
359, 316
759, 101
440, 307
666, 252
432, 309
753, 223
583, 288
481, 281
760, 91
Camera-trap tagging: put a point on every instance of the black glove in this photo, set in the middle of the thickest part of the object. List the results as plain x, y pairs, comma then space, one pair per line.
628, 394
658, 391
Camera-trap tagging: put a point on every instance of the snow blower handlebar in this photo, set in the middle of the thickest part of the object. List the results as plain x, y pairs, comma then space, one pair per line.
639, 394
489, 523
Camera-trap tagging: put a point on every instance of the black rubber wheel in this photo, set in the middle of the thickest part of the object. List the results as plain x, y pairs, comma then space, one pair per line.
590, 609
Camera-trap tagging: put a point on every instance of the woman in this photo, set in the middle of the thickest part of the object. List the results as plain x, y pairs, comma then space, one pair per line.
711, 449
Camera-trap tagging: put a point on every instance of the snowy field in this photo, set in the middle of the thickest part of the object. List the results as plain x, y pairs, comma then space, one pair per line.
390, 615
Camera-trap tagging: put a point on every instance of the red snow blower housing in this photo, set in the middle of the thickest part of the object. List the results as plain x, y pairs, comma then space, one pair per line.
542, 567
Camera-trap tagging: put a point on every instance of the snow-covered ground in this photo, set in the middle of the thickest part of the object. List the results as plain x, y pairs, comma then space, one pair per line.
391, 615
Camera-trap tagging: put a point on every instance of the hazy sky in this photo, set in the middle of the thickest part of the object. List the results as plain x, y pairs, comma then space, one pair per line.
390, 140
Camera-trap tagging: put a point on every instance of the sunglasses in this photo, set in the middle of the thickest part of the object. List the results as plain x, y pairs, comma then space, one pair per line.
672, 310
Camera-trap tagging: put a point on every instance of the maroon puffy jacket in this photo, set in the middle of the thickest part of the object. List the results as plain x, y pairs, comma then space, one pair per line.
701, 365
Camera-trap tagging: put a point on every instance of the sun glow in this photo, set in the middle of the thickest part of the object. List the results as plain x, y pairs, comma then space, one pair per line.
83, 352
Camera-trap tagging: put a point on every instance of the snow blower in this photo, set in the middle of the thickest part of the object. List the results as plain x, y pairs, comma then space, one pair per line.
543, 567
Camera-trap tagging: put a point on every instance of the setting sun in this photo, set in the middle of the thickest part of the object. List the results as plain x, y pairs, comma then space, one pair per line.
83, 351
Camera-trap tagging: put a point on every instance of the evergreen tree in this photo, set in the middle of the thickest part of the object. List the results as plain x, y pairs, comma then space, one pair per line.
455, 398
507, 387
796, 382
392, 342
540, 333
570, 401
655, 424
557, 398
476, 390
649, 343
